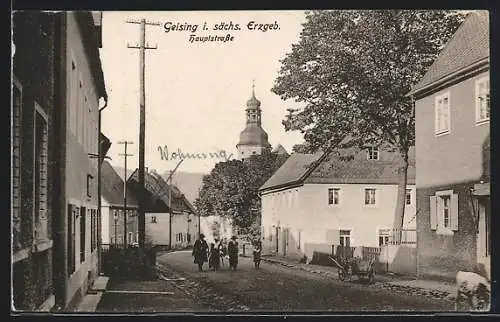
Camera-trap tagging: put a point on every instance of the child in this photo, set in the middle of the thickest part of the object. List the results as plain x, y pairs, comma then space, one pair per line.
257, 249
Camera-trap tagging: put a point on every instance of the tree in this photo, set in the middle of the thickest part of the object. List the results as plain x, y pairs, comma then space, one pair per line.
352, 70
231, 190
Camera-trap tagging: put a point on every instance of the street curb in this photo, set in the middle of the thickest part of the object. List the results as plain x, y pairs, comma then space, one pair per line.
414, 290
91, 299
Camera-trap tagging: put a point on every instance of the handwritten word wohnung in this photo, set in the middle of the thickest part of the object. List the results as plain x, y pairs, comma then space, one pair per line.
178, 154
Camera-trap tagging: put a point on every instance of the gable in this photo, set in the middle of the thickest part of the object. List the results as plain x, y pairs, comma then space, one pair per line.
468, 46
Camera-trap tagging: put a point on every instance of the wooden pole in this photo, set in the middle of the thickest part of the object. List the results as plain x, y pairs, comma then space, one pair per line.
142, 123
125, 155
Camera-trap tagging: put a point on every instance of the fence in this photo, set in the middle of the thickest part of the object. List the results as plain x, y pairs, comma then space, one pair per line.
394, 258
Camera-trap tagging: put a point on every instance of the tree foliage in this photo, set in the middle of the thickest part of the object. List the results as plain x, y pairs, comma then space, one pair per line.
231, 190
352, 70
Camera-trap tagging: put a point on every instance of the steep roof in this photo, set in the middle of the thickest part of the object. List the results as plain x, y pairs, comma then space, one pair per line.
112, 187
292, 171
335, 170
469, 45
159, 190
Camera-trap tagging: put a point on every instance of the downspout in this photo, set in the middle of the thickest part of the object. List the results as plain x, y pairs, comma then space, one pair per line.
99, 190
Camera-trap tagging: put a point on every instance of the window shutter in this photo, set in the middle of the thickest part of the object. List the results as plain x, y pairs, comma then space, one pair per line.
433, 207
454, 212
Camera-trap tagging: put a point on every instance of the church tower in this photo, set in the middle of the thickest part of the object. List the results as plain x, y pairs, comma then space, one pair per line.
253, 139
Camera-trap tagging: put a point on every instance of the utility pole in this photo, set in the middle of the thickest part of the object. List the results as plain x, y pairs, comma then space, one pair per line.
142, 122
125, 155
169, 180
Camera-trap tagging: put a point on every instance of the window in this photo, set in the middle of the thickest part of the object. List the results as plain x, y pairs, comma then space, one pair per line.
40, 174
373, 153
89, 185
442, 113
370, 196
444, 212
408, 197
482, 100
82, 234
345, 237
130, 237
16, 165
153, 219
93, 229
72, 216
299, 239
445, 202
333, 196
384, 237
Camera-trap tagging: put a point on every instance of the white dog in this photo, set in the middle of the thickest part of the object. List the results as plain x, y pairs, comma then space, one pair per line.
474, 289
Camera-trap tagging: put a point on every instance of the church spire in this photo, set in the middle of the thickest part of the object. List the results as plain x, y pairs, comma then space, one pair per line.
253, 103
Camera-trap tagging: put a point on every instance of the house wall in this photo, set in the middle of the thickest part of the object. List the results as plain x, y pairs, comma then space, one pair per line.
306, 209
82, 105
108, 234
157, 232
454, 165
34, 75
441, 166
105, 222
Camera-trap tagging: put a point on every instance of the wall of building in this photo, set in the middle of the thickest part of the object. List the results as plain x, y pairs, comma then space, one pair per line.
111, 231
82, 103
33, 73
157, 229
455, 165
444, 255
443, 166
304, 216
105, 223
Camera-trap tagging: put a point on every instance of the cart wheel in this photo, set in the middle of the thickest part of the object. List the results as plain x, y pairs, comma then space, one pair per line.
341, 274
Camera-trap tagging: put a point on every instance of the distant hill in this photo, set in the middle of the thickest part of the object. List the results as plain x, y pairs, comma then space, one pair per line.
187, 182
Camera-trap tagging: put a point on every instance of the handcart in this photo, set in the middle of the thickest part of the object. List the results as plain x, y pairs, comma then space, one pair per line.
362, 268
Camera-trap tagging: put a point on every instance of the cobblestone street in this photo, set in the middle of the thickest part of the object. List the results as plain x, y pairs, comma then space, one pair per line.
272, 288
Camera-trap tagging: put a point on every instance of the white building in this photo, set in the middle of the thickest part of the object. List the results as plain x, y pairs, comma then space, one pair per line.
315, 201
184, 220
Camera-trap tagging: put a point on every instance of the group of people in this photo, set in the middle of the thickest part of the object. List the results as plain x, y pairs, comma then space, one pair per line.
218, 250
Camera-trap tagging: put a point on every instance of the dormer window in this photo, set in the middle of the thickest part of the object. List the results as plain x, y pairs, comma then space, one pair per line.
372, 153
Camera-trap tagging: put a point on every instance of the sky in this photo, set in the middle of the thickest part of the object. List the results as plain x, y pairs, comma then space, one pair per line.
195, 92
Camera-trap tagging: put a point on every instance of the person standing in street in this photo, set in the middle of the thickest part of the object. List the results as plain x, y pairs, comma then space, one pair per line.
214, 258
200, 252
257, 250
232, 249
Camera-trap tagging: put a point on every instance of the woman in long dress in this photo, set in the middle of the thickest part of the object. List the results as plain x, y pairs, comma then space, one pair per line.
200, 252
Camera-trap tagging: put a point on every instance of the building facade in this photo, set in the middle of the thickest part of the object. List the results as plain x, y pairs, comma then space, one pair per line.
112, 210
253, 139
452, 110
161, 214
33, 135
58, 84
315, 201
